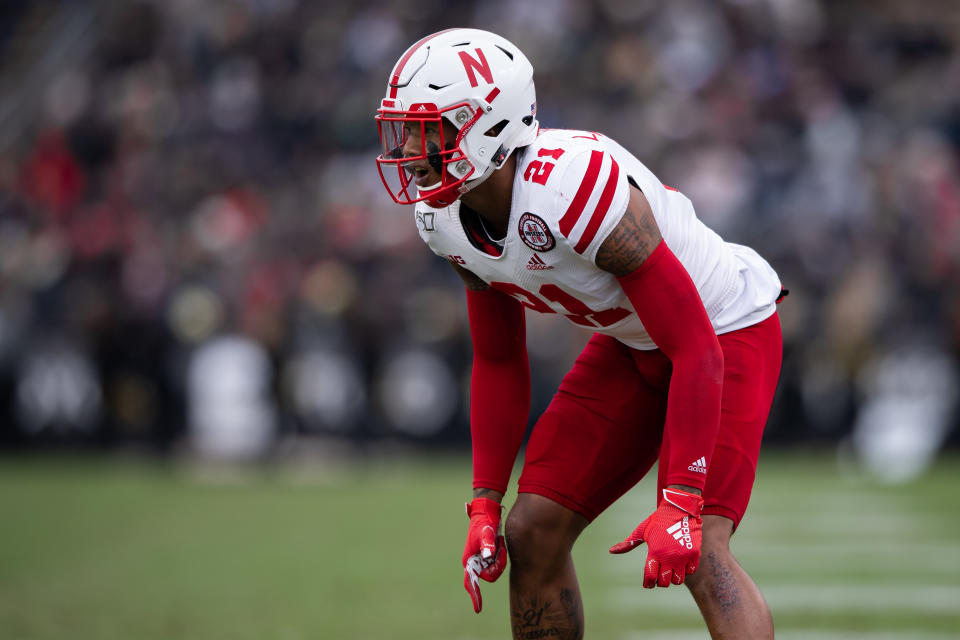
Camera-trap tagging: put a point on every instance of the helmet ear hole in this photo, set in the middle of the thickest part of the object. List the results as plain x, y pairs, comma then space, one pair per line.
495, 130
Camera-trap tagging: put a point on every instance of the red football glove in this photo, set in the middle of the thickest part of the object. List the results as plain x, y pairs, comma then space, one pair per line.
485, 553
672, 533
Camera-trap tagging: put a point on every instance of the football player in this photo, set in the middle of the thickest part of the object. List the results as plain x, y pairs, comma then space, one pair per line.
681, 369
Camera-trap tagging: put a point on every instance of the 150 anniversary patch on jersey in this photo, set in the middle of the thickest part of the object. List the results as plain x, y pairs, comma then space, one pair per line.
535, 233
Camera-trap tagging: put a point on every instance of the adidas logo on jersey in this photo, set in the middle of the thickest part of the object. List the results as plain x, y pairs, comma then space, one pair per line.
700, 465
680, 531
536, 263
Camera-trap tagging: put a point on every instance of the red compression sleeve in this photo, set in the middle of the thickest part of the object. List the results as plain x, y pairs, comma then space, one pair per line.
670, 308
499, 385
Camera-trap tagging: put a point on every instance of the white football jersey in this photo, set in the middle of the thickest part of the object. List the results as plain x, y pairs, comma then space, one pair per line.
570, 191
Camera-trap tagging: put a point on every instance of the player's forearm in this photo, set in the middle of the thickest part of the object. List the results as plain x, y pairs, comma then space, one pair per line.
687, 488
490, 494
499, 406
693, 419
668, 305
499, 386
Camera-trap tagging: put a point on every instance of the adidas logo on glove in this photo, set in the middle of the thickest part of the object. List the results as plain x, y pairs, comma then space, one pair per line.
681, 532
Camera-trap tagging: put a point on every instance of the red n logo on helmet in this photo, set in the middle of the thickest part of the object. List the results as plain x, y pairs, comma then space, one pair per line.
471, 65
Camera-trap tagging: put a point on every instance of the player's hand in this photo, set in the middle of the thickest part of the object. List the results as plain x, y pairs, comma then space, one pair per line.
485, 553
673, 534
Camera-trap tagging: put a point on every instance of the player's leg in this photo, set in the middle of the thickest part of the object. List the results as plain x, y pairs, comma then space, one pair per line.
544, 592
588, 448
729, 600
731, 603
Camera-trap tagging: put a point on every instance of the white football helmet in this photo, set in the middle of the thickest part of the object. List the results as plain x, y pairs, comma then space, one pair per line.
477, 81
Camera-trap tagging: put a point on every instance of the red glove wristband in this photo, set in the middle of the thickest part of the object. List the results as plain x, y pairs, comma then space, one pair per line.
484, 515
485, 552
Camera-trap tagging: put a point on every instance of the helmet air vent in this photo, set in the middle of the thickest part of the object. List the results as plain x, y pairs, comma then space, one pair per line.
495, 130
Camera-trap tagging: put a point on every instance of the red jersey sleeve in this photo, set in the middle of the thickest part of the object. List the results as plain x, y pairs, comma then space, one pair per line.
499, 386
669, 306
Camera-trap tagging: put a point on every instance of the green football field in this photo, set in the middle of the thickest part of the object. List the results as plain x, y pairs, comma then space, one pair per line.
108, 549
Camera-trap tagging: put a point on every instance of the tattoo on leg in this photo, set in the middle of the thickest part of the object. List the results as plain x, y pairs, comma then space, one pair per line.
725, 589
534, 618
573, 607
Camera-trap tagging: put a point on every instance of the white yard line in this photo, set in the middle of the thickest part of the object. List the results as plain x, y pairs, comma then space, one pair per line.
877, 548
817, 499
876, 556
886, 525
803, 634
817, 523
918, 598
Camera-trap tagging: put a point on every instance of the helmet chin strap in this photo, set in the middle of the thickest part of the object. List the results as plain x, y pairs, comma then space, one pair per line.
476, 182
461, 189
467, 186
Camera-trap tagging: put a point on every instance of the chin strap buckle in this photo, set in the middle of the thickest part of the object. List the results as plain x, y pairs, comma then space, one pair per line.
500, 156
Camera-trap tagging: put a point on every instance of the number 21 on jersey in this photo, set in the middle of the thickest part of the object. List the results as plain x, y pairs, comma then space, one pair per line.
575, 310
539, 170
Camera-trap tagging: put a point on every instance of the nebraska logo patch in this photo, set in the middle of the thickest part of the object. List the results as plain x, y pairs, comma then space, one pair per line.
535, 233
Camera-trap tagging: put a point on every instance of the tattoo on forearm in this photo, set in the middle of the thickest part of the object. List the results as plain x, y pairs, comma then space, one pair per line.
632, 242
725, 585
535, 619
480, 492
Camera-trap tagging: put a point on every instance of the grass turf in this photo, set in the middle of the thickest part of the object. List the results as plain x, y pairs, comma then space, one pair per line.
105, 549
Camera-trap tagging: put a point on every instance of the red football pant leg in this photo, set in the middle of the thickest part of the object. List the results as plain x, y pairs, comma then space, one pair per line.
752, 358
602, 432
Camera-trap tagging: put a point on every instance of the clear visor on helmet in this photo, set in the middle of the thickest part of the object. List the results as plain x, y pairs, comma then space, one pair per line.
419, 155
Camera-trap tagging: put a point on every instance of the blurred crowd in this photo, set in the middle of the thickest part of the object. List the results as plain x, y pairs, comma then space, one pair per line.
195, 247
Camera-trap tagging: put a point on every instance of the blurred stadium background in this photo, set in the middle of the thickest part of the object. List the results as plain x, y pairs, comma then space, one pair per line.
232, 380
